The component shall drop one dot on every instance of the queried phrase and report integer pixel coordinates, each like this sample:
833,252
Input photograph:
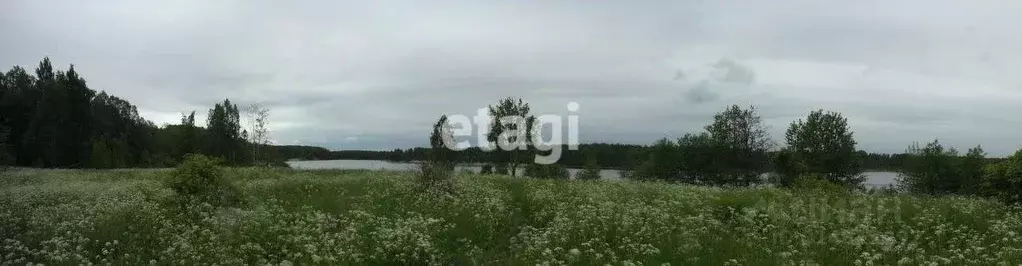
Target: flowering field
376,217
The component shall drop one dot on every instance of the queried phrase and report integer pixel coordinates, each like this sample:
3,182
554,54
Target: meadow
383,217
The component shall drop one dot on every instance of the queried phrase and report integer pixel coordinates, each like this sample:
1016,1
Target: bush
198,178
816,183
436,176
501,169
588,174
1003,180
552,171
936,169
487,169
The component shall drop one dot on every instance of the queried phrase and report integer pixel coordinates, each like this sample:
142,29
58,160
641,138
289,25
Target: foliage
436,176
437,172
501,169
592,168
936,169
258,117
487,169
373,218
821,145
698,158
438,139
662,162
198,178
53,118
225,136
741,141
548,171
1003,180
517,134
732,151
817,183
6,159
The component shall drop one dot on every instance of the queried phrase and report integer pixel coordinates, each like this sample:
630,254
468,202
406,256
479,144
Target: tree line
735,149
611,155
54,119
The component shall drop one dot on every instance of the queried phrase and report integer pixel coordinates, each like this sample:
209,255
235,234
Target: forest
53,119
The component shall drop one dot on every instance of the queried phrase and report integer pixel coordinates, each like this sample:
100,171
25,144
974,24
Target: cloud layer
367,75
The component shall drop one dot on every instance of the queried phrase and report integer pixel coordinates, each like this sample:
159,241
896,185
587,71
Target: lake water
873,179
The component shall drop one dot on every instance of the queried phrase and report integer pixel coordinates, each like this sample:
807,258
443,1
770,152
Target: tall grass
379,217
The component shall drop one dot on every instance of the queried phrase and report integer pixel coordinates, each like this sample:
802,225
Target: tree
591,170
100,157
77,129
741,141
511,126
224,129
971,171
5,156
662,162
822,145
1003,180
935,169
697,158
54,118
441,134
188,141
258,116
435,173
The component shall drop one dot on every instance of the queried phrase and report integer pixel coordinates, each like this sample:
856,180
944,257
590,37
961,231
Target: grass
379,217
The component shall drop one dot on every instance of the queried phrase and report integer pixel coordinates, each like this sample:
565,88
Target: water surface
873,179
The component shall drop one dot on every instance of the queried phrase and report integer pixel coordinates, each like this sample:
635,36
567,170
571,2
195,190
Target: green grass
378,217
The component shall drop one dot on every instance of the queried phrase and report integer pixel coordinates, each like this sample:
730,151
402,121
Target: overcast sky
375,75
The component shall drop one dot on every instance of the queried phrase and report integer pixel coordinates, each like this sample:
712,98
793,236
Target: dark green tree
821,145
592,168
970,168
936,169
440,154
512,126
223,127
662,162
5,155
1003,180
697,159
741,141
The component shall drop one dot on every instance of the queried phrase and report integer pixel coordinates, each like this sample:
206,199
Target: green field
376,217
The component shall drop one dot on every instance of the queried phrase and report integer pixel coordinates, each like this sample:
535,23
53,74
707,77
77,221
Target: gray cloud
375,75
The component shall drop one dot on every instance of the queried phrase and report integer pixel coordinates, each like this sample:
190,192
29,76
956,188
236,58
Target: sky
377,74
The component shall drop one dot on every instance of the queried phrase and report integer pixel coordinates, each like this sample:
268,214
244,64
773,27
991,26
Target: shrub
487,169
198,178
592,168
436,176
816,183
552,171
588,174
501,169
937,169
1004,180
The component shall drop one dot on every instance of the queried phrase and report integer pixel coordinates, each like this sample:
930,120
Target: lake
873,179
